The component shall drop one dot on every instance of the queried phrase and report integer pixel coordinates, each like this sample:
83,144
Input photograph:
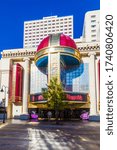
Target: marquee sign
36,98
70,96
76,96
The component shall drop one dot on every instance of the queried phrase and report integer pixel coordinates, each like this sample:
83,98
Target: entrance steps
24,117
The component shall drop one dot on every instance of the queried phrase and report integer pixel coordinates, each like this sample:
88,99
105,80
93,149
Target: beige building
90,53
24,72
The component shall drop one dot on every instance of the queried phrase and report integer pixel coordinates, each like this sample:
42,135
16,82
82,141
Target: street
22,135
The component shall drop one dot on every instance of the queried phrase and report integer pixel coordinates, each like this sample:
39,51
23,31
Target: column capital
91,53
26,58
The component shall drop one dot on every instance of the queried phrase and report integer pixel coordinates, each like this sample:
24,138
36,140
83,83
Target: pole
4,112
4,100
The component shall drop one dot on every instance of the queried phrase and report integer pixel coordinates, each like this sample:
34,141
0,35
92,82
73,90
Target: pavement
46,135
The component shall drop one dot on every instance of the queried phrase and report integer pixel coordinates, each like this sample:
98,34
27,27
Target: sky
13,13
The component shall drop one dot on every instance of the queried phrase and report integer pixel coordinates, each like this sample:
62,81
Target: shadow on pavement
46,135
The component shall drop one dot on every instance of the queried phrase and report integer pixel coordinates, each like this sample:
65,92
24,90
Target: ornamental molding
84,49
17,54
89,48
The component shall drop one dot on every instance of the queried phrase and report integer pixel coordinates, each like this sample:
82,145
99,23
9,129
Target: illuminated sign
76,96
73,96
36,98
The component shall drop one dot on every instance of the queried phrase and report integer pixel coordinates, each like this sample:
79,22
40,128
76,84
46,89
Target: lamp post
3,89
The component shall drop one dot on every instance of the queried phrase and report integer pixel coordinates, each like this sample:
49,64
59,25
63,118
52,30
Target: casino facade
27,71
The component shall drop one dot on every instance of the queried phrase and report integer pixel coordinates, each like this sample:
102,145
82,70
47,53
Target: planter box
2,116
94,118
24,117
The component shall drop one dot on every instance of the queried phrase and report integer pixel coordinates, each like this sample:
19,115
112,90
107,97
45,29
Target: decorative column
54,66
92,80
26,85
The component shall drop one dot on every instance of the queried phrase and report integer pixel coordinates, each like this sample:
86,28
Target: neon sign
76,96
36,98
69,97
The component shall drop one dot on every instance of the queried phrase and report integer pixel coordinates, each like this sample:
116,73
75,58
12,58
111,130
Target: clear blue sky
13,13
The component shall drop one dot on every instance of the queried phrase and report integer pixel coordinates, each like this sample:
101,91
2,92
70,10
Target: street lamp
3,89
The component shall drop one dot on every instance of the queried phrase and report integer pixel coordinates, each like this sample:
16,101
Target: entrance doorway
66,114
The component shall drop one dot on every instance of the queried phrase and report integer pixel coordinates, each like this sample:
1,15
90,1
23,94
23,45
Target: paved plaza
70,135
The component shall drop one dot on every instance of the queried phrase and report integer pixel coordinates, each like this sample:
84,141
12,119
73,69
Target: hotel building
91,28
35,31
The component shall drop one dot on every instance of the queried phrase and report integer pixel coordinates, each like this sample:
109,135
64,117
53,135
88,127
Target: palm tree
55,96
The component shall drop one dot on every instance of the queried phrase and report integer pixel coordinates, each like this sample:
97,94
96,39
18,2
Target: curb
3,125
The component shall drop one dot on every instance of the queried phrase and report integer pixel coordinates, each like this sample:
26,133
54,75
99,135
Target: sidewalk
71,124
46,135
52,121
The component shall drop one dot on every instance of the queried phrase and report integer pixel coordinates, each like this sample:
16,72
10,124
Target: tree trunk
57,116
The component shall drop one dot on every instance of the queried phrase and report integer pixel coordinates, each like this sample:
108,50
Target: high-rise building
91,29
35,31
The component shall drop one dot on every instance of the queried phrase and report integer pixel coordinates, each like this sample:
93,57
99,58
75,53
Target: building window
93,26
93,20
76,78
93,30
93,16
93,35
93,40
